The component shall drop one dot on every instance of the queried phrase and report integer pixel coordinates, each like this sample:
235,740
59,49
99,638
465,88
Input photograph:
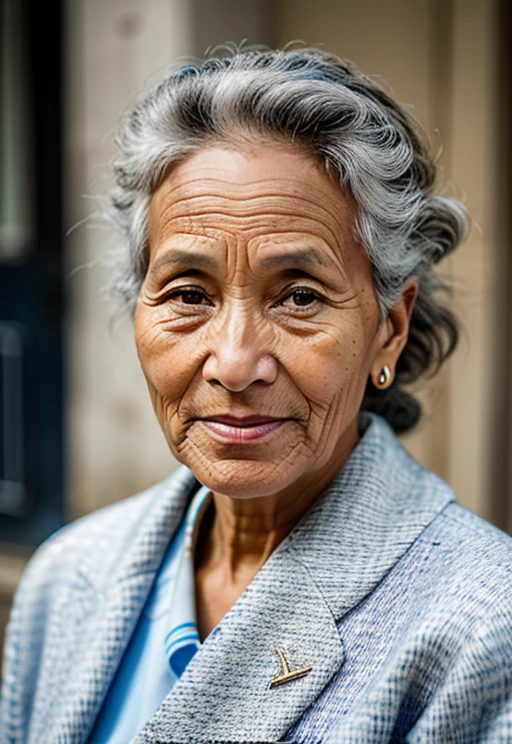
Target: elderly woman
301,578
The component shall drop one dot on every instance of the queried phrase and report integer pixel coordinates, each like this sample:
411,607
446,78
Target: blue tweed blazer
398,598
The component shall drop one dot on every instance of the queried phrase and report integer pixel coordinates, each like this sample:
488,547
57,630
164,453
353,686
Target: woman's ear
393,333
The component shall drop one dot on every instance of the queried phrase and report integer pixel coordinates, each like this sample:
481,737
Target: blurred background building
76,427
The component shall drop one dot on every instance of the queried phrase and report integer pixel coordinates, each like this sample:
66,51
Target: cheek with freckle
168,367
334,378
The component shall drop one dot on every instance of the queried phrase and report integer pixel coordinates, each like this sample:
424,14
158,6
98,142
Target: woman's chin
245,478
245,470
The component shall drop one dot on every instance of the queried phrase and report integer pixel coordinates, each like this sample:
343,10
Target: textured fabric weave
397,597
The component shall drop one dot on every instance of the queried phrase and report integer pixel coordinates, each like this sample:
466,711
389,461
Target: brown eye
189,296
192,298
302,298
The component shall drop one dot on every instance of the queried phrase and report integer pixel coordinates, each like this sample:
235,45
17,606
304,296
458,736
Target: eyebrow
180,258
301,259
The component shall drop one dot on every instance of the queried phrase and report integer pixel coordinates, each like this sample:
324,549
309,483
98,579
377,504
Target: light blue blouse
163,642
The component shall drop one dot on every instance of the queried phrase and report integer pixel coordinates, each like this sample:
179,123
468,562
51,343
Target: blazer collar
365,521
357,530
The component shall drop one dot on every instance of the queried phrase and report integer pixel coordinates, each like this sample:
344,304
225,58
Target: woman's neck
245,532
238,535
235,539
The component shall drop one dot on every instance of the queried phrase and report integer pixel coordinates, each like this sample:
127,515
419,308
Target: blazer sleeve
60,575
24,643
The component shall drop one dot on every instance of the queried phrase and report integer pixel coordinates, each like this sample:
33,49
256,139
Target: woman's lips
239,430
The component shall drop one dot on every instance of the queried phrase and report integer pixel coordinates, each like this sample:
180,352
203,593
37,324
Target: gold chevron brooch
287,673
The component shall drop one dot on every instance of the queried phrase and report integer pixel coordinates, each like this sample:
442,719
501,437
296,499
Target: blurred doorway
31,296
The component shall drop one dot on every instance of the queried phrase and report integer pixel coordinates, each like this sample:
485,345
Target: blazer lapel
375,509
115,607
225,693
353,535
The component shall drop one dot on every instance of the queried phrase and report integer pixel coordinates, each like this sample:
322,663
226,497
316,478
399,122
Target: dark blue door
31,295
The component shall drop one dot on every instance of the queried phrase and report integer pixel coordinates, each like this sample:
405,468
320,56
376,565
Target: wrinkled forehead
260,188
245,177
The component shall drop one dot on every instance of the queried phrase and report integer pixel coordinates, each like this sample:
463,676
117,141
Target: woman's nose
238,356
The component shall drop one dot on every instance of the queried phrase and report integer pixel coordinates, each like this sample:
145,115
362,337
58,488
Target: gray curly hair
325,105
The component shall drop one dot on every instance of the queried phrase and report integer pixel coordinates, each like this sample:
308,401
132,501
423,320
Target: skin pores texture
259,300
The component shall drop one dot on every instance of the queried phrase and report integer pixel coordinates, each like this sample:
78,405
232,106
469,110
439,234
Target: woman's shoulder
455,579
473,542
69,573
471,561
98,534
463,522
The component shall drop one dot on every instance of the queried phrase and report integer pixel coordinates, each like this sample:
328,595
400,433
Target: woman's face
257,323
